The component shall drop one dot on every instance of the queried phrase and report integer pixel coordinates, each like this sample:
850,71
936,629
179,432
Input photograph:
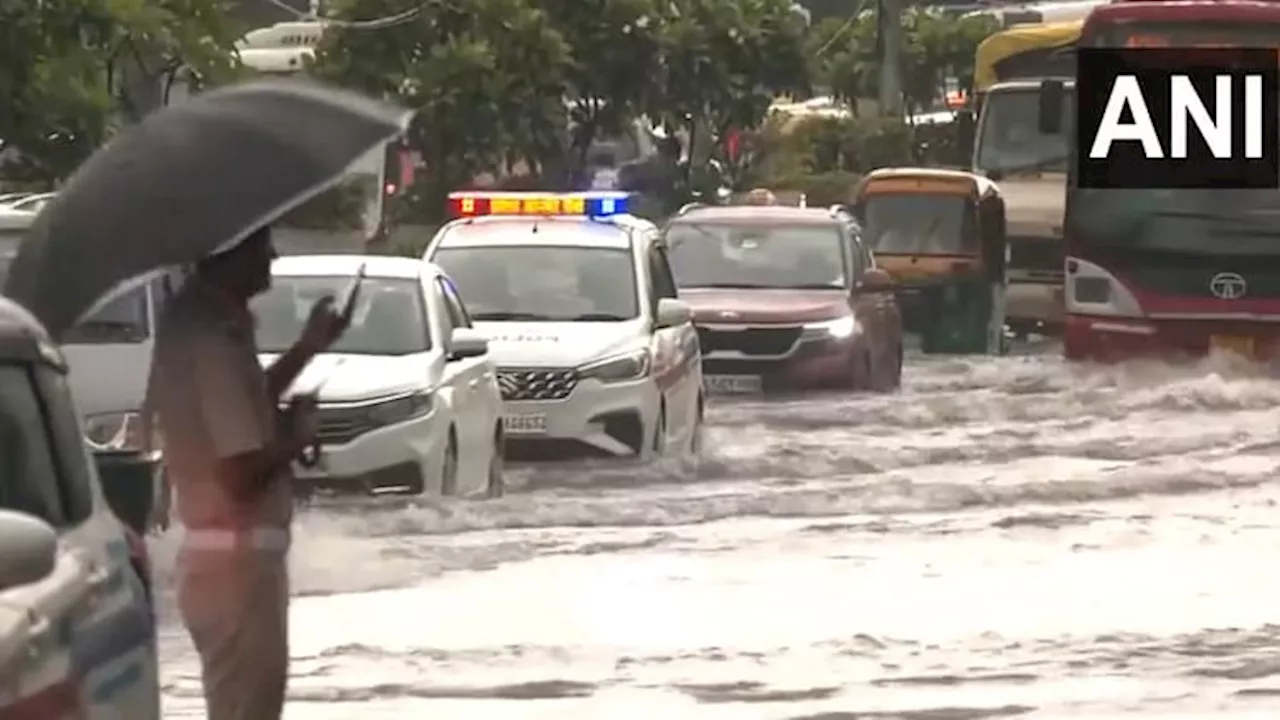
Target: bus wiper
727,286
510,315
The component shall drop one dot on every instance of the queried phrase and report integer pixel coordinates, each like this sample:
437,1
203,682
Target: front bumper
608,420
1107,339
407,454
813,362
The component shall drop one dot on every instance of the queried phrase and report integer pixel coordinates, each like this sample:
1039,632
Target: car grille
338,425
749,341
527,384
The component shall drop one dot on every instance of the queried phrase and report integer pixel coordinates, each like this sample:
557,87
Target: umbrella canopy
186,181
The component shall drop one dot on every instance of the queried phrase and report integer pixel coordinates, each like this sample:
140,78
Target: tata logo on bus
1178,118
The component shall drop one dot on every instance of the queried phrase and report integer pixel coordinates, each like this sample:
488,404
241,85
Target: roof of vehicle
1025,84
554,231
1184,11
982,183
23,338
376,266
759,215
1020,39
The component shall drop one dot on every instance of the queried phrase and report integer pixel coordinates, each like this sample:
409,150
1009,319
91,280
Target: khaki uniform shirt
211,399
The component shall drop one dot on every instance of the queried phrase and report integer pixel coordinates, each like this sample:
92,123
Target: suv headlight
402,409
618,368
839,329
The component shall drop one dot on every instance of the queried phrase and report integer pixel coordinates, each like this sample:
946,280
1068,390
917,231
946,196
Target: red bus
1171,272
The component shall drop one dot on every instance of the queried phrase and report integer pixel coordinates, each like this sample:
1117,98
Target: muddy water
1005,538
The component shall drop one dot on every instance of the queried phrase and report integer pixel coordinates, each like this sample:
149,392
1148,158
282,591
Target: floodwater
1005,538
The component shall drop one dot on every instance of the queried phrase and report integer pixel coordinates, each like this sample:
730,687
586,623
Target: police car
596,355
77,636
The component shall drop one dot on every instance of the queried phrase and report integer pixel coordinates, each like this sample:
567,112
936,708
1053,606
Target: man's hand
325,325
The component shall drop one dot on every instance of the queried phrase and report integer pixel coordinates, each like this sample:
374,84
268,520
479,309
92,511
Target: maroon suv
785,298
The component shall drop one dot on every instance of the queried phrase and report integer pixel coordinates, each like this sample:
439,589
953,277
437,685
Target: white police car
408,396
77,634
596,355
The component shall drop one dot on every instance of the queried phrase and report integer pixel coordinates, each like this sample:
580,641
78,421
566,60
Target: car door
473,378
677,359
93,609
867,307
113,631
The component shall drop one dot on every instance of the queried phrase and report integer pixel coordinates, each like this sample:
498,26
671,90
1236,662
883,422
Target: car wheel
497,486
449,467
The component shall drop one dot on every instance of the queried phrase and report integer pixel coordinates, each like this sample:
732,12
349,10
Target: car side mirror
30,549
876,280
467,343
1053,98
672,313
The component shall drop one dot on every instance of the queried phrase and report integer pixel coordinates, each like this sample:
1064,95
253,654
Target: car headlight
838,329
618,368
402,409
114,431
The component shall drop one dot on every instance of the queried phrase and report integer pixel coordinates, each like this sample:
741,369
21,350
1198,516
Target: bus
1169,272
1030,167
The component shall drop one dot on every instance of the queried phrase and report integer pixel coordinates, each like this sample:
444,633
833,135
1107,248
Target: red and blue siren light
585,204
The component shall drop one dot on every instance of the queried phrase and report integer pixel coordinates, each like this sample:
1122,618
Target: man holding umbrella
228,453
197,183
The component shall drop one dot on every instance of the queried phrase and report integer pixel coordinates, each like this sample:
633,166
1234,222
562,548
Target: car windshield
123,320
28,479
710,255
389,317
918,224
1010,140
544,283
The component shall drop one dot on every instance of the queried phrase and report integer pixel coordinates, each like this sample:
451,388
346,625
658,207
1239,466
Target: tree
71,70
937,46
615,47
485,78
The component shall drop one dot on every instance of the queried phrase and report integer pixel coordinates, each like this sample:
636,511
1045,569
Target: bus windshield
1010,141
918,224
1185,221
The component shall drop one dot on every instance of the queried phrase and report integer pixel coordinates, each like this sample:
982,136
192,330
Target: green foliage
510,87
936,47
68,69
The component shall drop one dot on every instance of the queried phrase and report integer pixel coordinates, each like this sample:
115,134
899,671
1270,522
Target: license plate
733,384
525,424
1235,344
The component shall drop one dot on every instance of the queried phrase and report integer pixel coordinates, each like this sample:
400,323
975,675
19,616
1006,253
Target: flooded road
1005,538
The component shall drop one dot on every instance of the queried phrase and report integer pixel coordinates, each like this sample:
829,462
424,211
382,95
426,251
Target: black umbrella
186,181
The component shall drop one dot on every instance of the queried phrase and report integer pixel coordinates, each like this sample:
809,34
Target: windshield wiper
112,329
1038,166
510,315
597,317
727,286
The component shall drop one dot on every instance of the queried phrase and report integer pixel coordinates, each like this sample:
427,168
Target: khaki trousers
235,604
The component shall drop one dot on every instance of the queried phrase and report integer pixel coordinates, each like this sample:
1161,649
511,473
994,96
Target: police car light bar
586,204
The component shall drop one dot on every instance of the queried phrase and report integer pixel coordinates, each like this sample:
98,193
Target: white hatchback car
77,633
408,396
597,357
